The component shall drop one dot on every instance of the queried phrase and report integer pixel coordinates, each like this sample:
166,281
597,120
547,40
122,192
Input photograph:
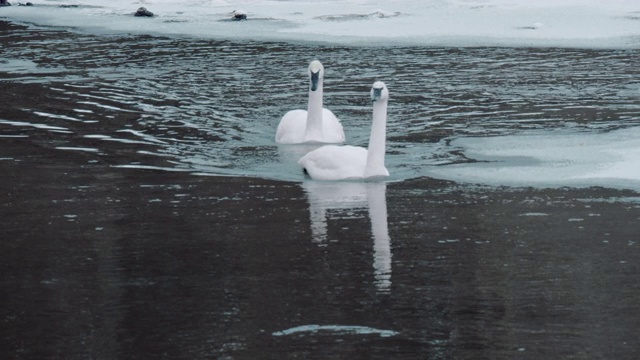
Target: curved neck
377,140
314,115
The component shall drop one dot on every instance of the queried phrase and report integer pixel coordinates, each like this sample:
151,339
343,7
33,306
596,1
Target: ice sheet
570,23
610,159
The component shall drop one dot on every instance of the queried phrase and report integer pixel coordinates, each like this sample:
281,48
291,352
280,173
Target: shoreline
622,43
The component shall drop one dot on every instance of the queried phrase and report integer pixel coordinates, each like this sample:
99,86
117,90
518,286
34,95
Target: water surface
147,211
212,107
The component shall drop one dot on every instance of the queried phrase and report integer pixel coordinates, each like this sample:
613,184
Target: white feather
314,125
332,162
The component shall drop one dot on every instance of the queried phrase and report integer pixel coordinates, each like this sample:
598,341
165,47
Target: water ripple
214,105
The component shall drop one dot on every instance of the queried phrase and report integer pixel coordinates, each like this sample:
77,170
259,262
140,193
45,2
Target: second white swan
332,162
314,125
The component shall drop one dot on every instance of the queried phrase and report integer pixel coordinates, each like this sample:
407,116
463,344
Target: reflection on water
341,199
112,248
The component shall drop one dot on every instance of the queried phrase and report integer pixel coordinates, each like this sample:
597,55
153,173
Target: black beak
376,94
315,79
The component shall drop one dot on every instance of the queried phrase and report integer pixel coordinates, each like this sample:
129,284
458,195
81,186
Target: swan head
316,74
379,91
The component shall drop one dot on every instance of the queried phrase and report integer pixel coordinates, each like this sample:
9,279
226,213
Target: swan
332,162
314,125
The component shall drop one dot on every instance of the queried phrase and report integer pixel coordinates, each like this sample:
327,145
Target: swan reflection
324,196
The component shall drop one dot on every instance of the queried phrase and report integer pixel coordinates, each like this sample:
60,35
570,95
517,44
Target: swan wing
292,127
333,162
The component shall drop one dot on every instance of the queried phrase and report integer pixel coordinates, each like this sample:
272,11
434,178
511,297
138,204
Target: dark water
119,240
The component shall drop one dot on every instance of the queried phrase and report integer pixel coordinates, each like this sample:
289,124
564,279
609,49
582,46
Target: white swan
314,125
332,162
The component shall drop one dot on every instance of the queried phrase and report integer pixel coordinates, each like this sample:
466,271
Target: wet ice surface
545,159
125,241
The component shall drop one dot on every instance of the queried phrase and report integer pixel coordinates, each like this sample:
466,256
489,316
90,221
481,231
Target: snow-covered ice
572,23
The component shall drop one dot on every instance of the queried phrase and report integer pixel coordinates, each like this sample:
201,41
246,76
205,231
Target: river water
147,211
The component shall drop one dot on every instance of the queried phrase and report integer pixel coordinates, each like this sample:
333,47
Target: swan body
332,162
314,125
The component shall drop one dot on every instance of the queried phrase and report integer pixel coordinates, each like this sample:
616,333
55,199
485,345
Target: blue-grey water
147,212
213,107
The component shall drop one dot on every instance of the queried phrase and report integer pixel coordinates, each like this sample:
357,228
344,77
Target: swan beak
376,94
315,79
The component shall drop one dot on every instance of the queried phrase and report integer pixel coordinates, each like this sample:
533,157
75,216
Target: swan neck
377,202
314,115
377,140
